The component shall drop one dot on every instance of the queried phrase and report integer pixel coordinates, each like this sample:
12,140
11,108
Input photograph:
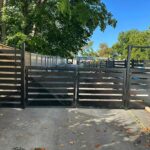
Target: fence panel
50,86
11,69
139,85
99,85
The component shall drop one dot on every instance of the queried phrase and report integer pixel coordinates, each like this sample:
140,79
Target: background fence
32,59
115,64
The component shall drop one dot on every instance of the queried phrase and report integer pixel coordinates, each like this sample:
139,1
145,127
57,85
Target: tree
133,37
104,51
87,50
54,27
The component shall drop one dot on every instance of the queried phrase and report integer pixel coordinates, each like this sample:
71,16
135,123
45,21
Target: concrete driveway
73,129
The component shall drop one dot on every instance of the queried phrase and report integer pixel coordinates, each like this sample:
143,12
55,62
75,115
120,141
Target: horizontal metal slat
51,90
102,69
38,68
10,69
4,51
140,86
10,81
140,81
101,91
51,73
42,79
9,93
140,75
10,57
133,92
139,70
140,98
100,80
101,75
4,87
8,99
99,97
100,86
10,75
50,96
10,63
49,85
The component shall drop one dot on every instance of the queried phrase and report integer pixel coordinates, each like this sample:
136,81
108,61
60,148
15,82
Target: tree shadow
106,131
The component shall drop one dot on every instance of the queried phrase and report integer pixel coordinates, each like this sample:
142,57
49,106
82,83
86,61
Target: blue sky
130,14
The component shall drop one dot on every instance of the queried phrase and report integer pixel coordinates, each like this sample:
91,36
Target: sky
130,14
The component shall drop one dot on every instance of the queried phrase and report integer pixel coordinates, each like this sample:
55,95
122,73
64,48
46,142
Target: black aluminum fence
115,64
38,85
50,86
139,85
11,77
101,86
69,86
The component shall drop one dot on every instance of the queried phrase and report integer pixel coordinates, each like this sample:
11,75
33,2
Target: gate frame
23,88
128,73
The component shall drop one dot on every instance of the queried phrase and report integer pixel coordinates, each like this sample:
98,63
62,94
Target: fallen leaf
61,145
72,142
39,149
129,130
147,145
97,145
146,130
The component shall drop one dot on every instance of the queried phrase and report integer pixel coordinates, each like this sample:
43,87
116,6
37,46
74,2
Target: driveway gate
50,86
72,86
101,86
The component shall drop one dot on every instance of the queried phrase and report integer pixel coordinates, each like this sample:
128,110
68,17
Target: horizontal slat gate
140,84
48,86
10,77
99,85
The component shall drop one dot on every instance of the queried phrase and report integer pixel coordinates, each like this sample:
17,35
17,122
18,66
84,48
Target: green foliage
104,51
54,27
132,37
88,50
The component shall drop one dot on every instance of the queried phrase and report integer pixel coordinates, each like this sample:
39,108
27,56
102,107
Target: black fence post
76,88
128,77
124,88
23,104
113,63
125,63
132,63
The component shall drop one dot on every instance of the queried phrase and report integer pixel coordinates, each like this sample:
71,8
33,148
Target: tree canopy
54,27
88,50
132,37
104,51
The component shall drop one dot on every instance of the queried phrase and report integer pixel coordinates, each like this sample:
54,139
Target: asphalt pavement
73,129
